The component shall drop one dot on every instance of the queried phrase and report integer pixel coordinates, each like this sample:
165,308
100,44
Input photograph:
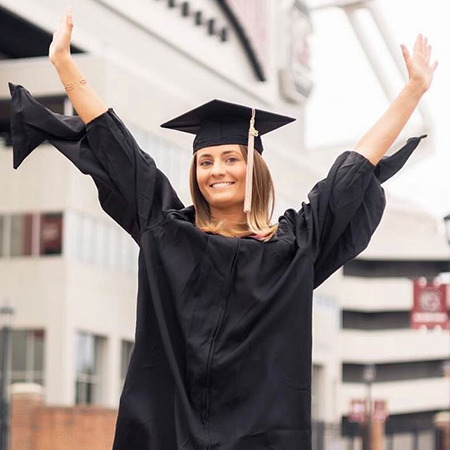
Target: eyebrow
223,153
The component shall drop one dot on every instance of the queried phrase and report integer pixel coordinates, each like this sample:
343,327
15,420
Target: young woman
222,357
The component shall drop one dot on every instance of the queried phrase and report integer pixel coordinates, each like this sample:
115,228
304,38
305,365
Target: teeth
221,184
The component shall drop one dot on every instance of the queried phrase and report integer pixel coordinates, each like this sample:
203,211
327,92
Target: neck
233,217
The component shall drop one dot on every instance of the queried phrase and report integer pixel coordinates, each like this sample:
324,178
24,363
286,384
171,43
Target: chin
225,203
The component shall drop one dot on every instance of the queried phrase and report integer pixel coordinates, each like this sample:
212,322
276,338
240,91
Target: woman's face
221,171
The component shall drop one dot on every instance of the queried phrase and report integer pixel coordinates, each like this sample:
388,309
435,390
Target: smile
222,184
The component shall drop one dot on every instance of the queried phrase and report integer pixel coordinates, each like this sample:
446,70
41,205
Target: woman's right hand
60,45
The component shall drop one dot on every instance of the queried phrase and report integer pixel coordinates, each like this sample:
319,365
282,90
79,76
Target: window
171,159
89,364
87,239
21,234
397,371
27,356
317,399
317,392
51,234
380,320
113,247
126,349
99,241
30,234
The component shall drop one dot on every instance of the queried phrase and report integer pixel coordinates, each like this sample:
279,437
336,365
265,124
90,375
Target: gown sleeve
131,189
345,208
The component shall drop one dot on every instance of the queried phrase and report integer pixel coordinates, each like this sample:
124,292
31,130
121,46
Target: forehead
217,150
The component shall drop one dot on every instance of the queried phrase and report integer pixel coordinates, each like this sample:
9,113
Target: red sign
430,305
357,411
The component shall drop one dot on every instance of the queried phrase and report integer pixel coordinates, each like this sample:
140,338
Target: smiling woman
217,184
223,351
228,148
223,348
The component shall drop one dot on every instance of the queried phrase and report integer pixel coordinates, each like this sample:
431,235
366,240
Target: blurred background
68,273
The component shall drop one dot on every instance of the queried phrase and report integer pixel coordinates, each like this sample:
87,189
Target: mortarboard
218,122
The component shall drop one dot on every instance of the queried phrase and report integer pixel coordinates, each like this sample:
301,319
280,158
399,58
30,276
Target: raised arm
377,141
84,99
132,190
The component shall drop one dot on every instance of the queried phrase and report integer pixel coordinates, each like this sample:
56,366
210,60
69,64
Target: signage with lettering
430,305
357,411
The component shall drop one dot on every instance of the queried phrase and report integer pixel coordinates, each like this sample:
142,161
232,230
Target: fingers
428,54
406,55
418,44
69,18
422,48
421,45
66,19
433,67
63,34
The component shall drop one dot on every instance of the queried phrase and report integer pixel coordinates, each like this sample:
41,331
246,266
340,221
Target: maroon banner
357,411
430,305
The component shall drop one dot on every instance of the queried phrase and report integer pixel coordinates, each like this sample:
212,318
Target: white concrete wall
377,294
388,346
402,397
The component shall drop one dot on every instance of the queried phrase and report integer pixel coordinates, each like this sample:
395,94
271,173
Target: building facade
70,272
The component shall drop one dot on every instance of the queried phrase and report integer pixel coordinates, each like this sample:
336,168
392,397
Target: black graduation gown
222,357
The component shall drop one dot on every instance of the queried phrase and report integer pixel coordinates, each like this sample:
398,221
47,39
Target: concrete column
111,374
60,361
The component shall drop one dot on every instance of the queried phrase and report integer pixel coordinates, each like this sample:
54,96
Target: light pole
6,314
369,376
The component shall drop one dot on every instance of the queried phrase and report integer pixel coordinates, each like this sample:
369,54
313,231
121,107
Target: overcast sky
343,76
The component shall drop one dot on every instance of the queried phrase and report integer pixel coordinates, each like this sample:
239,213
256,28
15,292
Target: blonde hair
263,201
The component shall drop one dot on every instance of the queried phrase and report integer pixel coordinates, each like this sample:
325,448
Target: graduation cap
218,122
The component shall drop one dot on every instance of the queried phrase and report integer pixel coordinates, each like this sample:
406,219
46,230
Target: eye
203,163
232,157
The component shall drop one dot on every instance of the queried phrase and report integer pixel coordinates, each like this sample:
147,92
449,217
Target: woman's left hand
419,69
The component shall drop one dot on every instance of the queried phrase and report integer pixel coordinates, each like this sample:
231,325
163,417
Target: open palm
60,45
419,69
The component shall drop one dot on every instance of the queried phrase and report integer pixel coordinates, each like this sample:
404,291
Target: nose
218,168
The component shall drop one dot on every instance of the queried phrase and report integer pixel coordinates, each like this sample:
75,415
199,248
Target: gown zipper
210,352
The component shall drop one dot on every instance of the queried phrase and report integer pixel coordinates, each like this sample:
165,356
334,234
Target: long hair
263,202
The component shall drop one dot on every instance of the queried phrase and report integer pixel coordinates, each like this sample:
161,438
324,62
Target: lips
221,184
